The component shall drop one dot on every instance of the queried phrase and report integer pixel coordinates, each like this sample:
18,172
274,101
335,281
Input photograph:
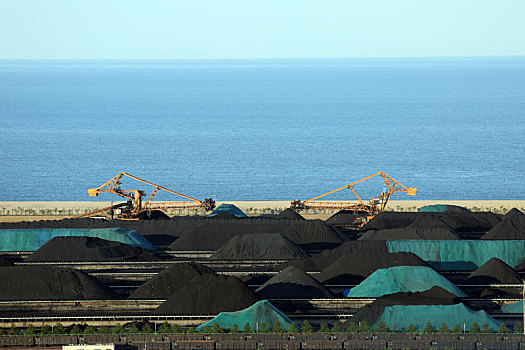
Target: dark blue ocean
264,129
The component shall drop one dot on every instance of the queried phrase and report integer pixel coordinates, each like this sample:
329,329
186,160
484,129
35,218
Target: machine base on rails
136,207
364,211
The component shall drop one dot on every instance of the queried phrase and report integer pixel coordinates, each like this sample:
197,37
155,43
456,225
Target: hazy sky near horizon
160,29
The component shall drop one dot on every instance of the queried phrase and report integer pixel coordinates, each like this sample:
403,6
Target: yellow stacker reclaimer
136,205
364,211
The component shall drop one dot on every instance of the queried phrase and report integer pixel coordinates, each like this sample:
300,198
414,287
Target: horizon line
257,58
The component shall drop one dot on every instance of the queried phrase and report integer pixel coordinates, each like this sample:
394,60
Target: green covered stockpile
261,312
399,317
442,208
401,279
228,209
461,254
28,240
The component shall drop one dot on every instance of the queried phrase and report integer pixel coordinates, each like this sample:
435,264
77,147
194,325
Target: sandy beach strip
16,211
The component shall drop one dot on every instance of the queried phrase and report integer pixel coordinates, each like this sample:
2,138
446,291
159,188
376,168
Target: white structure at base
89,347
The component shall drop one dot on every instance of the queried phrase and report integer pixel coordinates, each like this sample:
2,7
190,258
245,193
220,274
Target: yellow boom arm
374,205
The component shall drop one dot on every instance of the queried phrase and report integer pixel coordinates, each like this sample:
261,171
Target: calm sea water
268,129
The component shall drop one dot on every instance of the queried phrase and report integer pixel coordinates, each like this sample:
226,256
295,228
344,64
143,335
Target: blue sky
160,29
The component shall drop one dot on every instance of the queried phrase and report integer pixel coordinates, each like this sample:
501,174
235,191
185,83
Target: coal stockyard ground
449,268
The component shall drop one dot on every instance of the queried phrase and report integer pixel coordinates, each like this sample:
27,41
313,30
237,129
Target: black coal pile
423,227
510,228
494,271
153,215
344,217
468,222
309,234
64,223
292,283
520,267
5,262
511,213
259,246
145,227
169,280
165,232
50,283
173,227
290,214
324,259
458,222
208,294
88,249
390,220
354,268
433,296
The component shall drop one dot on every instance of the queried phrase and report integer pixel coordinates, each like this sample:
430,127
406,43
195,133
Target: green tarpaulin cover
401,279
461,254
29,240
441,208
260,312
399,317
228,208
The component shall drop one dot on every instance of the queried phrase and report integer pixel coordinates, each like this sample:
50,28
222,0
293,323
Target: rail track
113,319
169,254
183,320
161,264
158,265
148,305
231,266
